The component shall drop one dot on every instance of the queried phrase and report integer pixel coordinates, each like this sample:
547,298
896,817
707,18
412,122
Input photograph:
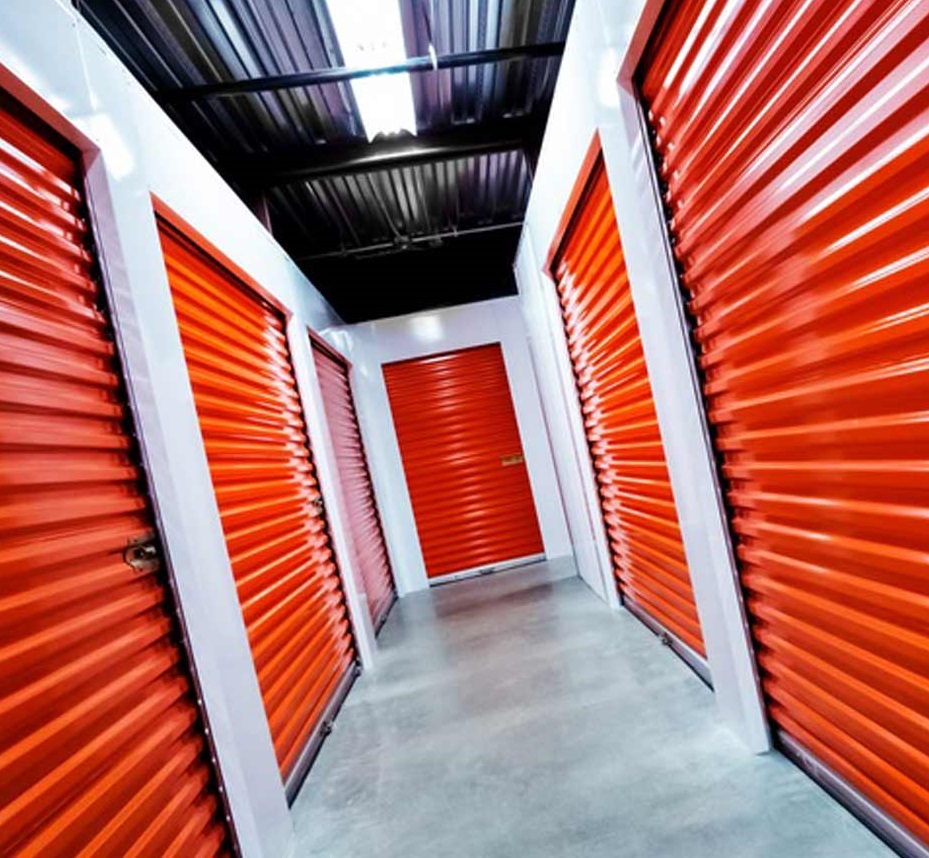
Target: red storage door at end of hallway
463,460
619,413
269,498
102,745
792,142
367,536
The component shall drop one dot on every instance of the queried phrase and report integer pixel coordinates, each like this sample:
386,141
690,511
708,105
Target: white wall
371,344
565,424
605,39
585,101
52,60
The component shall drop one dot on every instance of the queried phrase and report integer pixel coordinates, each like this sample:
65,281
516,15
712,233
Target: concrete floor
515,715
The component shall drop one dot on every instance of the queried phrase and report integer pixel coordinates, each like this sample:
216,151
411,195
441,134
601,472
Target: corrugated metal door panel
793,141
463,459
367,535
269,498
619,415
102,746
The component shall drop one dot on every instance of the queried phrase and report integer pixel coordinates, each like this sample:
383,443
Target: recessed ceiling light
370,33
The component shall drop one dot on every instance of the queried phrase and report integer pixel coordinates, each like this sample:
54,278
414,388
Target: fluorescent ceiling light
370,34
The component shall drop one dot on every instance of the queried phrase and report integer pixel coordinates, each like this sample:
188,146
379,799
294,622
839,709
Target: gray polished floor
515,715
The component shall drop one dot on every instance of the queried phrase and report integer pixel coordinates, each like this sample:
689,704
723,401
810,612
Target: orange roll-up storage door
463,459
793,143
619,416
102,746
269,498
364,521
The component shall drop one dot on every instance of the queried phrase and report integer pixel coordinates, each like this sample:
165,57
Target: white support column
175,459
679,403
585,520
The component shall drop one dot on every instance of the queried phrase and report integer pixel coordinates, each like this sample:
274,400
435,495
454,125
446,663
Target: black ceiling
430,274
382,228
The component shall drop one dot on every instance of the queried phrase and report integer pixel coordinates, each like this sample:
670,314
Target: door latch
141,553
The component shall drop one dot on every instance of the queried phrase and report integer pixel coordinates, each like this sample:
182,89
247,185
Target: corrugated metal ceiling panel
484,91
172,44
384,206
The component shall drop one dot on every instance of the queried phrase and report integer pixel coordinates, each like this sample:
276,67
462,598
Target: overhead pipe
407,243
318,77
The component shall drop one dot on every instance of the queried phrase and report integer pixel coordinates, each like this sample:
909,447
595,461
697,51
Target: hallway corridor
514,715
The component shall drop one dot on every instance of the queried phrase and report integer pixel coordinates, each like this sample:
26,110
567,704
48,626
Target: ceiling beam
321,160
317,77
